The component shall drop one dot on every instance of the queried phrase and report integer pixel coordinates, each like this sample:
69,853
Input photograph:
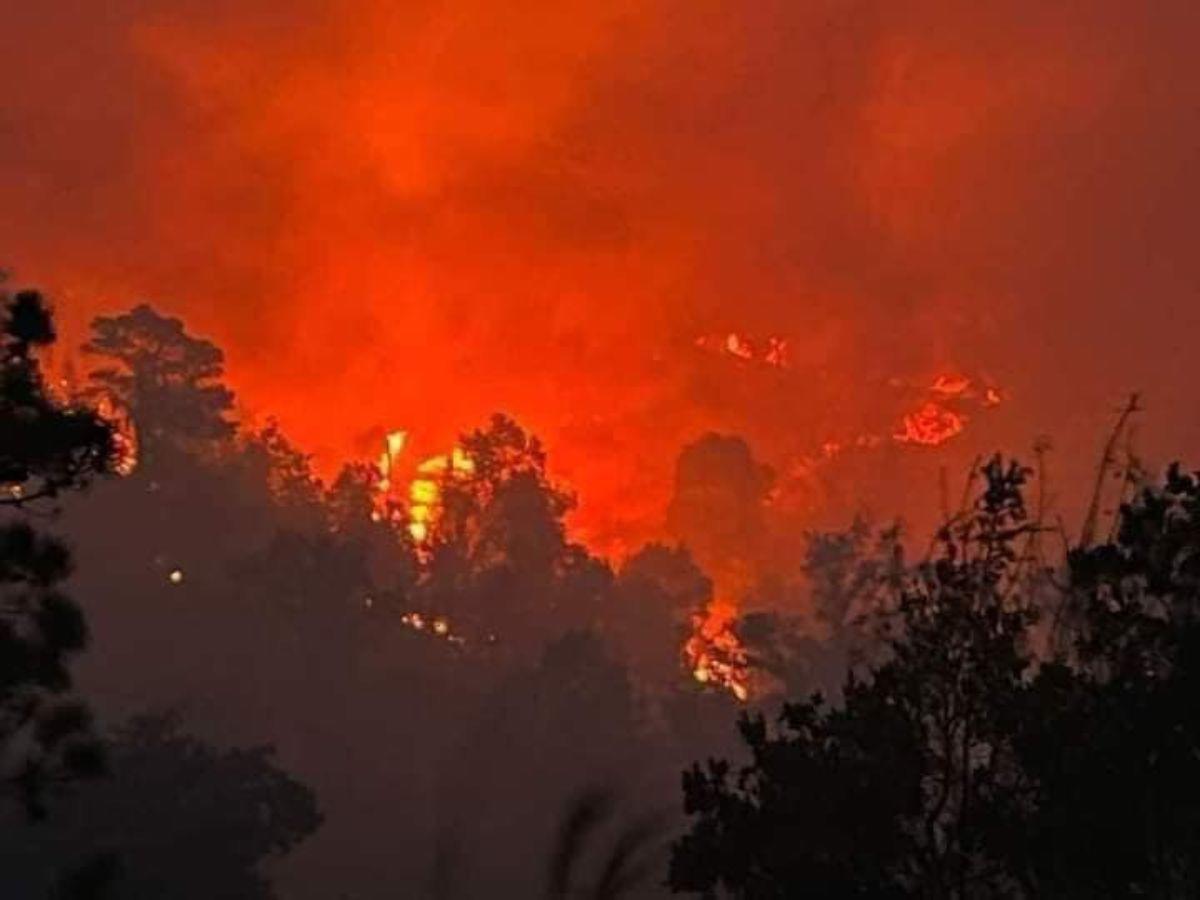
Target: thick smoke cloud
408,215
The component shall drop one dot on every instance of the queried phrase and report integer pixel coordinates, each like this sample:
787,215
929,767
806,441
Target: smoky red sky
408,215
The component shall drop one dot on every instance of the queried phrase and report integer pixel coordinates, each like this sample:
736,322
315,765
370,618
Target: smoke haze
408,215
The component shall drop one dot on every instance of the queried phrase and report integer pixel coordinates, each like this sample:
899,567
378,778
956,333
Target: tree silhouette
1111,734
717,507
47,446
501,561
910,788
46,449
176,818
656,592
626,864
847,576
167,380
961,766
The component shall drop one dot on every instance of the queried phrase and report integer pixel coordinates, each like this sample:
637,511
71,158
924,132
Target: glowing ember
776,353
176,576
770,351
950,385
940,417
737,345
931,425
438,626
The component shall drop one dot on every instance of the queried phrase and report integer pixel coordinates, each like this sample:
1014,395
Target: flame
930,425
385,467
737,345
769,351
125,439
425,491
950,385
423,496
714,654
937,420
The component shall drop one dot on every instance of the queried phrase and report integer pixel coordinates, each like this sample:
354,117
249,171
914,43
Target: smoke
408,216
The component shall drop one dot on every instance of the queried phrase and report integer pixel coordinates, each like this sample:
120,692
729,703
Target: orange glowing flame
950,385
770,351
714,654
940,417
125,439
930,425
737,345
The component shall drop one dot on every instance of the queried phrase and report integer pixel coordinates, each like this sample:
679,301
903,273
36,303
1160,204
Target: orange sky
409,215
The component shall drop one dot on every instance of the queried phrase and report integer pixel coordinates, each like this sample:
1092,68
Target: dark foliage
176,818
166,379
963,767
46,447
905,789
1113,737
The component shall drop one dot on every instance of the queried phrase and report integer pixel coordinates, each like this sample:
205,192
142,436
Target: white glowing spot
368,602
176,576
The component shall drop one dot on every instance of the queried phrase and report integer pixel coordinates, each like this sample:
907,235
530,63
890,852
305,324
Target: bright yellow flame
423,491
395,443
714,653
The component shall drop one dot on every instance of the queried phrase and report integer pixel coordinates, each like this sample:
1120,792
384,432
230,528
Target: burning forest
598,450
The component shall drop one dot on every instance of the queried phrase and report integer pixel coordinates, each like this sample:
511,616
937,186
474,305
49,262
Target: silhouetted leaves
176,818
167,380
45,447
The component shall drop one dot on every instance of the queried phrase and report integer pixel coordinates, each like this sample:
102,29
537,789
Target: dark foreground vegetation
283,694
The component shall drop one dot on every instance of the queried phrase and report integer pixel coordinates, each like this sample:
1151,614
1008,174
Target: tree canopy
965,764
48,447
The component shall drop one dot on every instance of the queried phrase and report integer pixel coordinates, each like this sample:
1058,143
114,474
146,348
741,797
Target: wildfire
940,417
423,500
930,425
714,654
393,446
125,439
424,492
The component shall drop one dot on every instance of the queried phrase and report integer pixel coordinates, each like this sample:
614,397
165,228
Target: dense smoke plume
409,215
